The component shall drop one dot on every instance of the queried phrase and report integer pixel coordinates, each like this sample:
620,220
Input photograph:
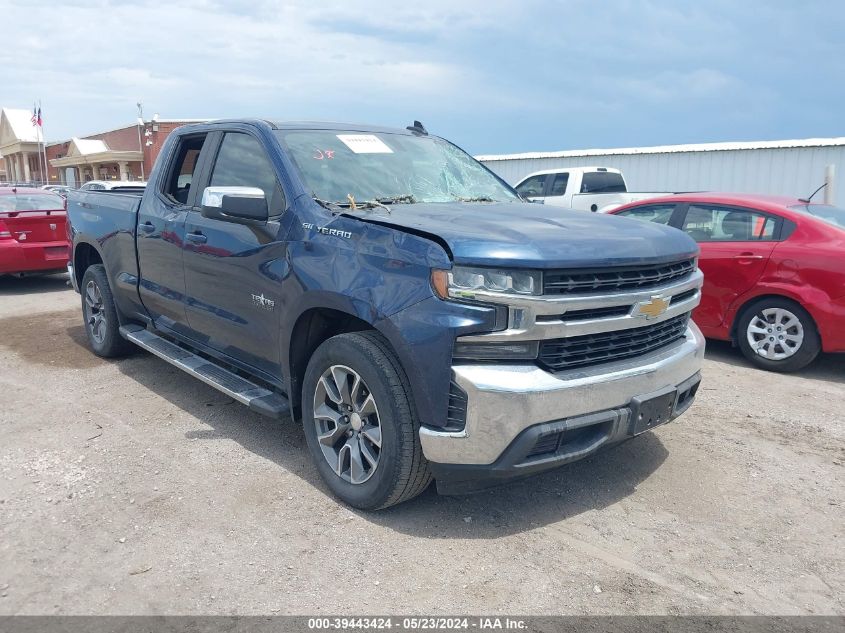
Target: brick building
113,155
125,153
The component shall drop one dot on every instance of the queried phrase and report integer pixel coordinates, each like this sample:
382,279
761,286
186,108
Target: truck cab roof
298,125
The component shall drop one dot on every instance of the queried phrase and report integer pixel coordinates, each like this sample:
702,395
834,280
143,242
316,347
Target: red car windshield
31,202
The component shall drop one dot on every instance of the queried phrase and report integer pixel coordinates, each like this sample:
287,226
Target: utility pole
829,180
140,142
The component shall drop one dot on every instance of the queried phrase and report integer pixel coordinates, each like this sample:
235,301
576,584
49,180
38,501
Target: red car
774,271
32,231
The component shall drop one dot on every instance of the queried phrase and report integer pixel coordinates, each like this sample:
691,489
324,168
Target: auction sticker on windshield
365,143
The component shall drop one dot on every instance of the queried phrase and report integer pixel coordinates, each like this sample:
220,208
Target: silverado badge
652,308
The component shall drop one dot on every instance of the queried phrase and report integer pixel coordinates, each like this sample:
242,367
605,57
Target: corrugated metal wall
793,171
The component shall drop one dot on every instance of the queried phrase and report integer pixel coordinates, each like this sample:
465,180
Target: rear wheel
100,314
360,424
778,334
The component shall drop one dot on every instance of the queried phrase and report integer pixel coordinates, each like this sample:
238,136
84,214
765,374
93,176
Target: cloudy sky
491,75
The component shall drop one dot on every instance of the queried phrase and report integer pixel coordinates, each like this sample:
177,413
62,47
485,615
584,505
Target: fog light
522,350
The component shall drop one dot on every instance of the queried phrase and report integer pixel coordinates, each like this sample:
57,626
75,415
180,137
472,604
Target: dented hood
537,236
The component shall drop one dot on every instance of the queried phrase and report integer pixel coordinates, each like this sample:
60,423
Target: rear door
233,272
736,244
557,186
161,231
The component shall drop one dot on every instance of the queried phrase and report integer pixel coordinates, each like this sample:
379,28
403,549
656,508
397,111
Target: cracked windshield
342,167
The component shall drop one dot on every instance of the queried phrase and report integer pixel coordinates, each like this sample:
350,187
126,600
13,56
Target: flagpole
46,172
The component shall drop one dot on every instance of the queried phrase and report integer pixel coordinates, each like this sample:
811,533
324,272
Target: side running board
257,398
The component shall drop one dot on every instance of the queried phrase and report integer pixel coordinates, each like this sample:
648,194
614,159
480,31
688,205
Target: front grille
689,294
592,349
588,314
566,282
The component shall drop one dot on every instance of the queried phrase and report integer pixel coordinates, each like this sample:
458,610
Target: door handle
748,256
147,227
196,238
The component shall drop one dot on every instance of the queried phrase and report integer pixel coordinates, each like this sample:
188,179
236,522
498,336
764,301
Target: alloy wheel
94,313
347,423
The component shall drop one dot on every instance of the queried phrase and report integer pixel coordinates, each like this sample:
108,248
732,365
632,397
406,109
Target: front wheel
778,335
360,423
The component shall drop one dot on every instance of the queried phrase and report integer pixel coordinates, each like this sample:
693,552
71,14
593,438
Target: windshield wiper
372,204
405,198
325,203
335,206
475,199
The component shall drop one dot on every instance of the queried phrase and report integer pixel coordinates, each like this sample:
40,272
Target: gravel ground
130,488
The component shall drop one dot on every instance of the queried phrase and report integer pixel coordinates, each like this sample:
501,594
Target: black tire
104,339
402,471
802,354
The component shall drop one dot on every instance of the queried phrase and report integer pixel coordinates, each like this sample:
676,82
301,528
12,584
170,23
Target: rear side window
602,182
559,184
31,202
534,187
727,224
182,170
659,213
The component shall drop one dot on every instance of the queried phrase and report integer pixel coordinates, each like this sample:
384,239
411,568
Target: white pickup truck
597,189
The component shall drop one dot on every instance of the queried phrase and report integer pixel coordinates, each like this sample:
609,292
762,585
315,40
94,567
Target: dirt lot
128,487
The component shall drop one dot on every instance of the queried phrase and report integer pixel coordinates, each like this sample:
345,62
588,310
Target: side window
659,213
181,175
242,162
559,184
721,224
534,187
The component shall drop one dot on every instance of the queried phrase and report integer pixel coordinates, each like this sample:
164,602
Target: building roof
86,151
86,146
21,123
670,149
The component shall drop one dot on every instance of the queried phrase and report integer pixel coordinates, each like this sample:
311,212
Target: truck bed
109,219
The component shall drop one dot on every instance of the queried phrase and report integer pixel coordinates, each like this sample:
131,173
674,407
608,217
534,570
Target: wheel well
311,329
84,257
741,311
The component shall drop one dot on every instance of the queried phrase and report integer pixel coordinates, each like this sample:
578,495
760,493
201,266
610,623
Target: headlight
466,280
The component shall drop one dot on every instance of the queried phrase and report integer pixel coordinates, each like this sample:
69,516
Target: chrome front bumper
504,400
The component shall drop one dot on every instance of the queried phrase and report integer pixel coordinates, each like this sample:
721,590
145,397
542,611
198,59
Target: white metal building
794,168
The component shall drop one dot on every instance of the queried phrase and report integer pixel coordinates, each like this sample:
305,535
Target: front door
233,272
736,244
161,229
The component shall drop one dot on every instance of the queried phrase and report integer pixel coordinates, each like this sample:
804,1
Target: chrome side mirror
242,205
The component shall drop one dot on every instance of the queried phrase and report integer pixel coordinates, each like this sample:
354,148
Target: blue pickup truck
420,318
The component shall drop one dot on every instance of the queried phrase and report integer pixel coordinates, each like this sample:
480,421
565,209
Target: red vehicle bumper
17,257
